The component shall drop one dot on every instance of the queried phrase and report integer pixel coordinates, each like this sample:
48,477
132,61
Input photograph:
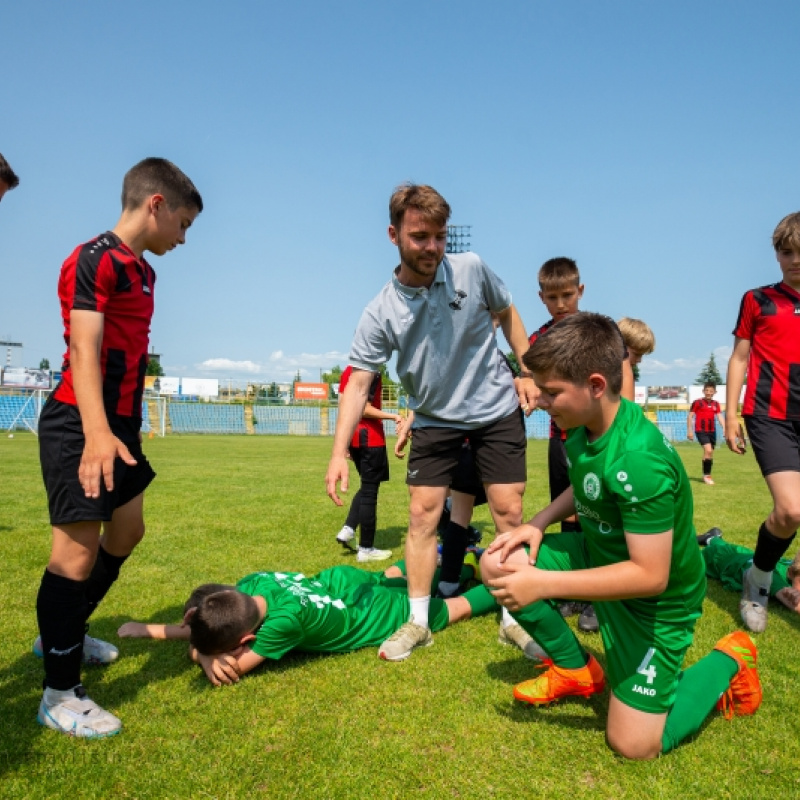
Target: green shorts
644,654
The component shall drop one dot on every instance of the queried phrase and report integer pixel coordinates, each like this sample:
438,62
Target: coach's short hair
787,235
7,175
577,347
558,273
159,176
637,335
424,199
221,620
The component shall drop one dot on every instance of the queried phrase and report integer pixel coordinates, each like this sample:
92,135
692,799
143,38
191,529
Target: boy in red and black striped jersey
368,451
767,349
89,433
702,422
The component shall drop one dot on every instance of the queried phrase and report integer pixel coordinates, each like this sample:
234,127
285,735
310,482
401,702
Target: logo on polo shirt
591,486
458,301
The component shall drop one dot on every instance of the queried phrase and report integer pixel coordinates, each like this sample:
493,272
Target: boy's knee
633,745
787,515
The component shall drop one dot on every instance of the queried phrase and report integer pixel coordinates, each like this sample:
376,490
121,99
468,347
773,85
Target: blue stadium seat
206,418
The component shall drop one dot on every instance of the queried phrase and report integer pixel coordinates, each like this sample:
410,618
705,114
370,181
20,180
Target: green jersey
631,479
339,610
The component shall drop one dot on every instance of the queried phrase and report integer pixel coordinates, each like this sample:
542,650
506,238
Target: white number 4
645,668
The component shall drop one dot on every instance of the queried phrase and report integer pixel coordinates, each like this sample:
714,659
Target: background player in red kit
767,349
368,451
702,422
92,462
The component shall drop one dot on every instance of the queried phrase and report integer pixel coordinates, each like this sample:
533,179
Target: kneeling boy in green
636,558
233,629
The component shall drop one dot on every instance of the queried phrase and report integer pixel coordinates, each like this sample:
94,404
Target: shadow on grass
113,686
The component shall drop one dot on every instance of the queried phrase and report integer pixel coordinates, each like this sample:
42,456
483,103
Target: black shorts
371,463
776,443
557,466
61,444
498,450
703,437
467,479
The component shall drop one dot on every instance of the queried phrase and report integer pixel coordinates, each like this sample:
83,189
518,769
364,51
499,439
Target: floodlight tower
8,346
458,238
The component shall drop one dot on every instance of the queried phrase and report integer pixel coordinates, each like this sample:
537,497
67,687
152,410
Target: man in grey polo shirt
436,313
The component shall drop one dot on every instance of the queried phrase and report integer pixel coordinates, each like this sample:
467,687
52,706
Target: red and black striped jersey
369,432
104,275
705,412
769,317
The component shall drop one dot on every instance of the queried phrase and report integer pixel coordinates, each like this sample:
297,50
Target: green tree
512,359
154,367
272,390
635,373
709,374
44,364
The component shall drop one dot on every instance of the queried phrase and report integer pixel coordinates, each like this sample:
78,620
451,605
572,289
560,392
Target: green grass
441,725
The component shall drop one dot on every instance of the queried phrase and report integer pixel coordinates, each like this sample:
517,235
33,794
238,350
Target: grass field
441,725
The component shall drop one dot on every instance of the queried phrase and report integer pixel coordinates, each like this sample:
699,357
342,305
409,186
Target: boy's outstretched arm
151,630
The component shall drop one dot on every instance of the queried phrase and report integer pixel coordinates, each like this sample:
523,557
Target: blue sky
655,143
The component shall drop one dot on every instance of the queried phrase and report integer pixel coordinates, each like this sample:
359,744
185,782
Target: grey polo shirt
448,360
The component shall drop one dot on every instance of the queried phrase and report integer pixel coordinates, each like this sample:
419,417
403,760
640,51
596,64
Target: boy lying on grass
728,562
233,629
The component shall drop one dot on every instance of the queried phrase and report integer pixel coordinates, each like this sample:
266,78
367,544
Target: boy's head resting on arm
577,347
221,618
560,287
638,337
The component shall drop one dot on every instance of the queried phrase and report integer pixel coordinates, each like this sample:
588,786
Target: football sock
455,539
480,600
763,580
707,463
506,619
104,572
367,516
769,549
543,621
419,609
699,688
354,514
62,610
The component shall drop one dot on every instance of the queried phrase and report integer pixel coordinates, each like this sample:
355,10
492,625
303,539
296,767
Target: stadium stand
19,412
672,424
206,418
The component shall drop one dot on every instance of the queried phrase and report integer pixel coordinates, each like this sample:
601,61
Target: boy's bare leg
784,519
458,609
632,733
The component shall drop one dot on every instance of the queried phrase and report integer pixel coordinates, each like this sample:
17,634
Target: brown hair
637,335
558,273
787,235
577,347
7,175
159,176
424,199
221,619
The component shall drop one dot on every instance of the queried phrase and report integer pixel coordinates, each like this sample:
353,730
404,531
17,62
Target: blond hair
637,335
787,235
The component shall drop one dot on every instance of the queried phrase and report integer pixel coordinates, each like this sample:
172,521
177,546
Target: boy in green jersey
233,629
636,558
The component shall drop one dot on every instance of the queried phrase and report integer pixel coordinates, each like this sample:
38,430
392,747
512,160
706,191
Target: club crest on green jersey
591,486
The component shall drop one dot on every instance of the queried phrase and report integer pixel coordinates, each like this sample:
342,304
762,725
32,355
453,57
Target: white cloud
278,367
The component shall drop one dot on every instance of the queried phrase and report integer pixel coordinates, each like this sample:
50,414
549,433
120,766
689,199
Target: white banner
203,387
